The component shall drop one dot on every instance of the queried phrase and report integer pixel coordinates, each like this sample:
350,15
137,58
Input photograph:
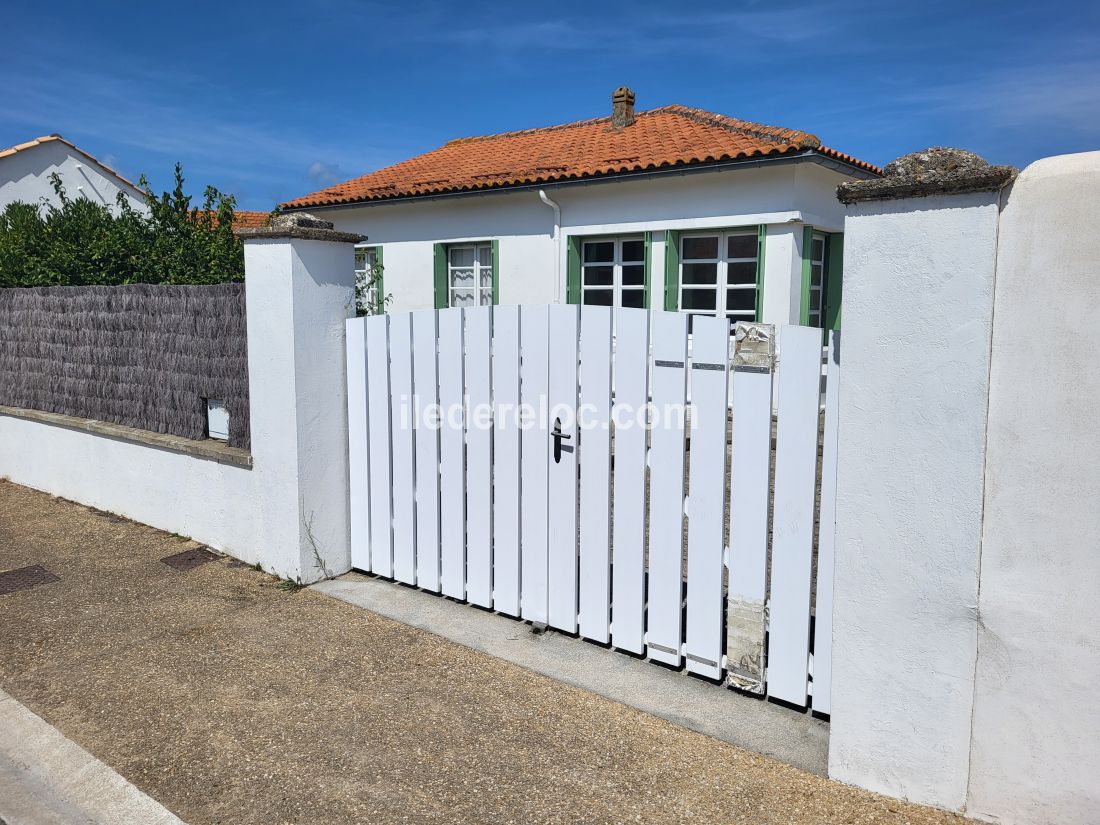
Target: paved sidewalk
231,700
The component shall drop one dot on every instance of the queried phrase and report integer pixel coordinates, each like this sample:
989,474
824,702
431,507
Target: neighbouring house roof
665,138
243,219
30,144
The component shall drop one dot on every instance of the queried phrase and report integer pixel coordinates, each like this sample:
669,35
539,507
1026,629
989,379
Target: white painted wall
290,510
1036,732
785,195
918,304
25,176
210,502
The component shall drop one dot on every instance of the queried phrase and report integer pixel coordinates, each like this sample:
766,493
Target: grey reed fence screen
141,355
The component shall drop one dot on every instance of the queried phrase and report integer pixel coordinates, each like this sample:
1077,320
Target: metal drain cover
189,559
25,578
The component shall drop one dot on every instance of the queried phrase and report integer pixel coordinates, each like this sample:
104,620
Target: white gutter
557,242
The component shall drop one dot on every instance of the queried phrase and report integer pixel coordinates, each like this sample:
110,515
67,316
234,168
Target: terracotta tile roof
30,144
672,136
243,219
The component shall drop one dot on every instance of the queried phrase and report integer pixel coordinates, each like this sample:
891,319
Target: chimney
622,108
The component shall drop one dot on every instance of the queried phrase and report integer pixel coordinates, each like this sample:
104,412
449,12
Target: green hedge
81,243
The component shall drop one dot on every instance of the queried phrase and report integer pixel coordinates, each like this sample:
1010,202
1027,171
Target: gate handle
558,436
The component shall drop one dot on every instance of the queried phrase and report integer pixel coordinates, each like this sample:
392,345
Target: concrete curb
789,736
47,779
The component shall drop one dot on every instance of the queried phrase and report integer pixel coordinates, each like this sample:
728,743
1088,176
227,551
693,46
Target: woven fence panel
141,355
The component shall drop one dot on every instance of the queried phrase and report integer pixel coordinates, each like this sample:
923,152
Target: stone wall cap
937,170
301,225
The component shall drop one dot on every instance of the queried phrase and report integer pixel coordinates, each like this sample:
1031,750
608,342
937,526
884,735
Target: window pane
462,278
699,274
486,297
461,255
463,298
633,251
486,278
634,298
818,249
698,299
816,271
599,275
700,247
599,251
741,273
633,275
741,246
360,259
741,299
599,297
815,300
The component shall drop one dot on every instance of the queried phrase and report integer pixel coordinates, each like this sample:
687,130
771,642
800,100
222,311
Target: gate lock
558,436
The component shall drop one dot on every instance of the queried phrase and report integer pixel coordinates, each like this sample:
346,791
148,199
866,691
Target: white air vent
217,419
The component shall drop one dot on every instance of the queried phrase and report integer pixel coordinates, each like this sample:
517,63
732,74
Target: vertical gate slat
452,456
793,524
628,545
666,489
479,457
707,496
534,444
358,448
506,460
750,483
595,473
378,417
403,453
823,621
562,526
426,391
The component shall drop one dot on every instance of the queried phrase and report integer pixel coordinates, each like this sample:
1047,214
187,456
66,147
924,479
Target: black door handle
558,437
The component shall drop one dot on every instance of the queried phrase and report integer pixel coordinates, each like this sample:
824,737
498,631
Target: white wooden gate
471,476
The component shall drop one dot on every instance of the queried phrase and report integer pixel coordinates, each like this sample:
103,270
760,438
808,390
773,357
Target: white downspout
557,243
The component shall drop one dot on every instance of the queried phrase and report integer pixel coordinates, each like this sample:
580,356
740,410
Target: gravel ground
232,700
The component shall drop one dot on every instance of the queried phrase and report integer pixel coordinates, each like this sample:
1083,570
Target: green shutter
761,243
807,254
834,279
496,272
573,270
648,264
440,253
672,270
380,291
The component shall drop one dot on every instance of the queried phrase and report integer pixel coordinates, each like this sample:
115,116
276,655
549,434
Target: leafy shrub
82,243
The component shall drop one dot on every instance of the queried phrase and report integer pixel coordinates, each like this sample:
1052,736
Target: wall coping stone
300,225
210,449
937,170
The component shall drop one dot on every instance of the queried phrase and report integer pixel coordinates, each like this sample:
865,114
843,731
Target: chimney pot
622,107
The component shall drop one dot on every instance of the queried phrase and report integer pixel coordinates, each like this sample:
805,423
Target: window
613,272
718,274
366,286
815,289
470,275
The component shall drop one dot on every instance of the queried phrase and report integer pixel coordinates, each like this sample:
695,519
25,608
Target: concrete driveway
231,699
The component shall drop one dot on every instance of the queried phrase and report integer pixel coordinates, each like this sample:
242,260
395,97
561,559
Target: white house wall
25,176
532,267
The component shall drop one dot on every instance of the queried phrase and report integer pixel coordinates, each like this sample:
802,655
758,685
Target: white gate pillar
299,289
920,254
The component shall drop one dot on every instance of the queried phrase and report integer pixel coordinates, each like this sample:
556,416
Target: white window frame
816,317
484,293
617,263
367,255
721,284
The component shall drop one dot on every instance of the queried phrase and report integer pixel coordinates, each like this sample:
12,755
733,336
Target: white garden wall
1036,751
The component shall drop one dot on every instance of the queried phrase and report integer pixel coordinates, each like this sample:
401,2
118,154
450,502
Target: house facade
671,208
26,169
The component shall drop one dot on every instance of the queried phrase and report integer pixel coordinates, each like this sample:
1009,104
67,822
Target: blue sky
270,100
